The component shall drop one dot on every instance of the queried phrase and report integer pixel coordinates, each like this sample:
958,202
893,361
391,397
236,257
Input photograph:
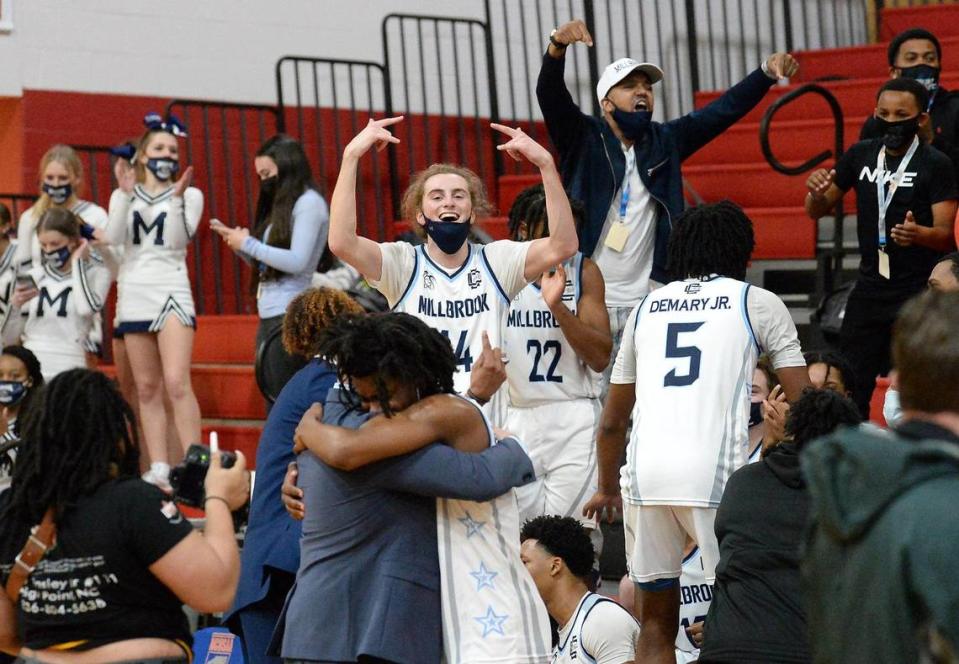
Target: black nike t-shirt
95,585
926,181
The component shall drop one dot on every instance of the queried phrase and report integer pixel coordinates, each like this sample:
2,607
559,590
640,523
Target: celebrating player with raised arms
154,218
460,288
557,339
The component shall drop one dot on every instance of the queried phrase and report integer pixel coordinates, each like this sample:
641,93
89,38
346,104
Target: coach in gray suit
368,585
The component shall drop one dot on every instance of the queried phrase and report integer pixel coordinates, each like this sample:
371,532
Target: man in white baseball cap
625,168
632,196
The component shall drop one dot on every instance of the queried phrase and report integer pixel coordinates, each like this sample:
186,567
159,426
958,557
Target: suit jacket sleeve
696,129
441,471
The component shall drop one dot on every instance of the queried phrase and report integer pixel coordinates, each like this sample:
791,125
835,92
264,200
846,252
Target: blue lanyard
624,196
885,197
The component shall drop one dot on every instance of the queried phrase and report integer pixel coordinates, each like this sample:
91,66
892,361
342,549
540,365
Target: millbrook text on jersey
452,308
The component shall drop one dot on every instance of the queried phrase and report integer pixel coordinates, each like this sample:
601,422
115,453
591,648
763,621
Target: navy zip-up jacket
592,163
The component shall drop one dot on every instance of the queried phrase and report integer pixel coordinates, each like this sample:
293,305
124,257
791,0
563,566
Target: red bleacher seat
878,398
940,19
869,61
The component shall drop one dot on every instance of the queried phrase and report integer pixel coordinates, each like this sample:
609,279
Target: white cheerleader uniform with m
28,253
599,632
56,324
553,403
690,349
461,303
492,611
154,282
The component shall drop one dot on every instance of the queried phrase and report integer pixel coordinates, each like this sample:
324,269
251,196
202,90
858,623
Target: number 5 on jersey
674,350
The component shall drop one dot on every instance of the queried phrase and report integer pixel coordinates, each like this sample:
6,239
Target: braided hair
711,239
529,207
389,347
78,434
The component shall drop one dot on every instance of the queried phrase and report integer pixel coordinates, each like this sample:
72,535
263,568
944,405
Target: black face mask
635,124
755,413
925,74
268,185
897,135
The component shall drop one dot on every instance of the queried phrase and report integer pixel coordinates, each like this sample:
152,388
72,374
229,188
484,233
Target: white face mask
891,408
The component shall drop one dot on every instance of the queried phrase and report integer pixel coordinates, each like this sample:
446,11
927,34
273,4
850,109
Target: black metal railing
223,139
17,204
324,102
829,262
98,172
439,74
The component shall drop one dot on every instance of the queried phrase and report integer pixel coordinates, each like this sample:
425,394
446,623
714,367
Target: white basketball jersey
570,648
695,353
158,230
492,611
543,367
695,594
461,305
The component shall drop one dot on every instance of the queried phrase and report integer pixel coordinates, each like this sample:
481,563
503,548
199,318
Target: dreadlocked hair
78,434
711,239
519,210
308,313
529,207
389,347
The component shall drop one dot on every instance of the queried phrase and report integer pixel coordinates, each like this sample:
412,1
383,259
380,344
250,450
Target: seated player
559,556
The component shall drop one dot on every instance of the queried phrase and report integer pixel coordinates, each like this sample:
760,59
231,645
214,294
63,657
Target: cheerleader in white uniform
61,181
154,220
57,300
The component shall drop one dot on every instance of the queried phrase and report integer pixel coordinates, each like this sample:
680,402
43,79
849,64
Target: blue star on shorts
491,622
472,527
484,577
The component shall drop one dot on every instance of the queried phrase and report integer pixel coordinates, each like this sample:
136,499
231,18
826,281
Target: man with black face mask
625,168
916,54
905,206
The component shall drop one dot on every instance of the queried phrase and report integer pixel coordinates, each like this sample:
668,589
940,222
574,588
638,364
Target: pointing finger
486,344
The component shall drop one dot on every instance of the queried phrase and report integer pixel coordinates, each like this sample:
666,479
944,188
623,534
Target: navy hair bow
169,124
126,151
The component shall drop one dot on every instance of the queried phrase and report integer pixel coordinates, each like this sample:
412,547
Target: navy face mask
635,124
11,392
163,169
58,195
897,135
928,76
449,236
755,413
58,259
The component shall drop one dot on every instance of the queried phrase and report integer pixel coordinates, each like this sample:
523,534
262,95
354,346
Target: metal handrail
829,268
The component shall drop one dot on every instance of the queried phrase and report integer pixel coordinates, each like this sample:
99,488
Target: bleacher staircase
224,382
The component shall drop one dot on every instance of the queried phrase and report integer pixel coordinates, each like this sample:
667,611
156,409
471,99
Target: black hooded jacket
756,614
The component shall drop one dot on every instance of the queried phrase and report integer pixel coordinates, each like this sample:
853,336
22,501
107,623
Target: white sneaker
157,480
